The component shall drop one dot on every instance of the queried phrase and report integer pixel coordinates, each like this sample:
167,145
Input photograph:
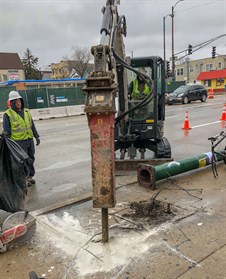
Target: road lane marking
206,124
192,107
173,116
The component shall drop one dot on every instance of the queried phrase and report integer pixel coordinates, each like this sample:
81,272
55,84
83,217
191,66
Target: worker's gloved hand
37,141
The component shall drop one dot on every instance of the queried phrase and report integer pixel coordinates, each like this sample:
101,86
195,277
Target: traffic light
213,52
167,68
189,49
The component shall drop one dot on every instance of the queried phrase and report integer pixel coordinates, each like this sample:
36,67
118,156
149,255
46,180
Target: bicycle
215,141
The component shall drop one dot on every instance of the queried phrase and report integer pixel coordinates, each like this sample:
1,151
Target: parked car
187,93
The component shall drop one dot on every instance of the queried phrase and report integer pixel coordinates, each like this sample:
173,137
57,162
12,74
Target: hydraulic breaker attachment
100,109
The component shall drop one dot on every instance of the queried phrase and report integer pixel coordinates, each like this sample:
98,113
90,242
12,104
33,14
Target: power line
208,3
201,45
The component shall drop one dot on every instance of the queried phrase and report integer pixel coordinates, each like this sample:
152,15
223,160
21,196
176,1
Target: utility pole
164,38
187,64
173,58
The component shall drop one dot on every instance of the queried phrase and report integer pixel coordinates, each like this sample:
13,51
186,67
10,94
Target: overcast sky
51,28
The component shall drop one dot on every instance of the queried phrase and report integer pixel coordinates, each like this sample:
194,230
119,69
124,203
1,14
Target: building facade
189,70
62,69
46,74
215,80
11,67
67,69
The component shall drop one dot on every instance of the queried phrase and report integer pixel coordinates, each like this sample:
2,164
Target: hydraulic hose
144,77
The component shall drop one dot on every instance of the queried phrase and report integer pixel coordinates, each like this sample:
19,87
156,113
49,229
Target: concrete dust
75,231
65,231
91,256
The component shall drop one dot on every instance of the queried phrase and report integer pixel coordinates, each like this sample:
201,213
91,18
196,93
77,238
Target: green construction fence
173,85
45,97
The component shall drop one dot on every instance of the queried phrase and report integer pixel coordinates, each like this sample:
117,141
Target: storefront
215,80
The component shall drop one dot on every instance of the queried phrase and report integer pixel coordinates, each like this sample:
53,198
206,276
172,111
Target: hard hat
13,95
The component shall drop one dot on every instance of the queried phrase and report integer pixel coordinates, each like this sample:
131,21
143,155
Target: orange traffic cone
223,116
210,93
186,122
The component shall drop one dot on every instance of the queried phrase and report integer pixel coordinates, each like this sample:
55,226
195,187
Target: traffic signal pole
148,175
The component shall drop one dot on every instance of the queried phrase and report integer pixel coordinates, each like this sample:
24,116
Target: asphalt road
204,121
63,169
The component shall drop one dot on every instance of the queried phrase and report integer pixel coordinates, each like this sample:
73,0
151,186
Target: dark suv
187,93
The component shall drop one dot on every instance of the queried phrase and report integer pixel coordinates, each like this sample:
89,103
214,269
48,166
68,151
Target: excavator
126,126
139,123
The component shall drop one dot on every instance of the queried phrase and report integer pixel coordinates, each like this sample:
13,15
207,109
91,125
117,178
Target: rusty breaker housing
100,109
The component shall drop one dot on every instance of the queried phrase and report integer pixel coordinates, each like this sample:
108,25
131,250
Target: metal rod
104,212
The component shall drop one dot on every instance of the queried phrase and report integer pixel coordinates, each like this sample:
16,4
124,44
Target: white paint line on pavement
192,107
173,116
206,124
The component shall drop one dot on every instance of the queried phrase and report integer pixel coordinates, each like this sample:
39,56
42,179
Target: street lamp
173,58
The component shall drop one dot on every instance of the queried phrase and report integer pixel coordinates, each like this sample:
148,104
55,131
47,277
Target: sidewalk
188,243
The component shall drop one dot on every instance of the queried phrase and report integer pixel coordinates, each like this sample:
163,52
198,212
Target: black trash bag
14,169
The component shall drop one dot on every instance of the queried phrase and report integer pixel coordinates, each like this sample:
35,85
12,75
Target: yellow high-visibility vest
136,94
20,128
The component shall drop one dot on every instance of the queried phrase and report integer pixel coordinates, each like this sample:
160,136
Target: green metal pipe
148,175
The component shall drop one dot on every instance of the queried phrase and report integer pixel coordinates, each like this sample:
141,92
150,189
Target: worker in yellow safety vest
138,89
19,126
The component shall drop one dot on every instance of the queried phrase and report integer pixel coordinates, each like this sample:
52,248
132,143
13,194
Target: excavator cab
139,125
147,112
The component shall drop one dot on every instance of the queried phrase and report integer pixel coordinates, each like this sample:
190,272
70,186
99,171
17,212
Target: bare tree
82,57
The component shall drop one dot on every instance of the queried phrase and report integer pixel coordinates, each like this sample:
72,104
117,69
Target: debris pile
152,212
